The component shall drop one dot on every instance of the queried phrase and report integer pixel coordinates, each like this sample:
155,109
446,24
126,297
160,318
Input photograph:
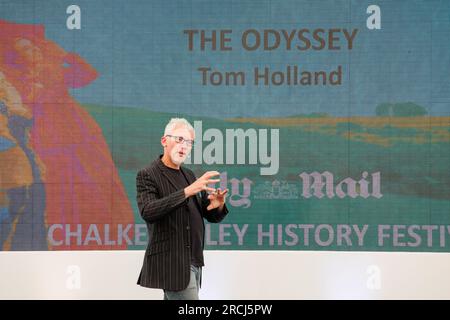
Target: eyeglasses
182,140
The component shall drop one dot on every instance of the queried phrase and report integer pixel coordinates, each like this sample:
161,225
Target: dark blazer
163,206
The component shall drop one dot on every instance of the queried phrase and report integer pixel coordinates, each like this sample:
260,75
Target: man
173,203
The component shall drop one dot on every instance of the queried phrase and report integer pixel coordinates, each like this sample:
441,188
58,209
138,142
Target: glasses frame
189,143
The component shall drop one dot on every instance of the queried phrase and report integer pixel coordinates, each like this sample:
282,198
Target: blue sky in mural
141,53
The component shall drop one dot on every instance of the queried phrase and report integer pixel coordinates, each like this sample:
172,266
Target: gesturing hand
217,199
201,184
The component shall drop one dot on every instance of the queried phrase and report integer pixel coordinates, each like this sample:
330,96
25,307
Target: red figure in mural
75,180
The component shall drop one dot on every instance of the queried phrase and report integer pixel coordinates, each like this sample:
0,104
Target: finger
212,181
210,174
214,194
211,190
221,193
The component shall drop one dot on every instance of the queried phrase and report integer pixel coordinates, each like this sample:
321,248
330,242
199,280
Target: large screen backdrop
328,120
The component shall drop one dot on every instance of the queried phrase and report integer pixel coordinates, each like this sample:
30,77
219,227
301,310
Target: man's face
178,152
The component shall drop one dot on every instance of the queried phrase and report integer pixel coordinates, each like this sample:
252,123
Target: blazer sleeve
214,215
151,206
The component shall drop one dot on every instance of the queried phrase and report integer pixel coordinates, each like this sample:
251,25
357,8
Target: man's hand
201,184
217,199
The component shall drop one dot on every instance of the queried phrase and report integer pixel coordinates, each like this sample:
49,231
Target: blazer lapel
169,178
191,179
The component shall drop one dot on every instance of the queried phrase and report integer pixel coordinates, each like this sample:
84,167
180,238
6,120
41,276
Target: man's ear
163,141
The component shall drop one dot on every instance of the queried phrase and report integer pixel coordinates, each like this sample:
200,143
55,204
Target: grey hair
177,122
